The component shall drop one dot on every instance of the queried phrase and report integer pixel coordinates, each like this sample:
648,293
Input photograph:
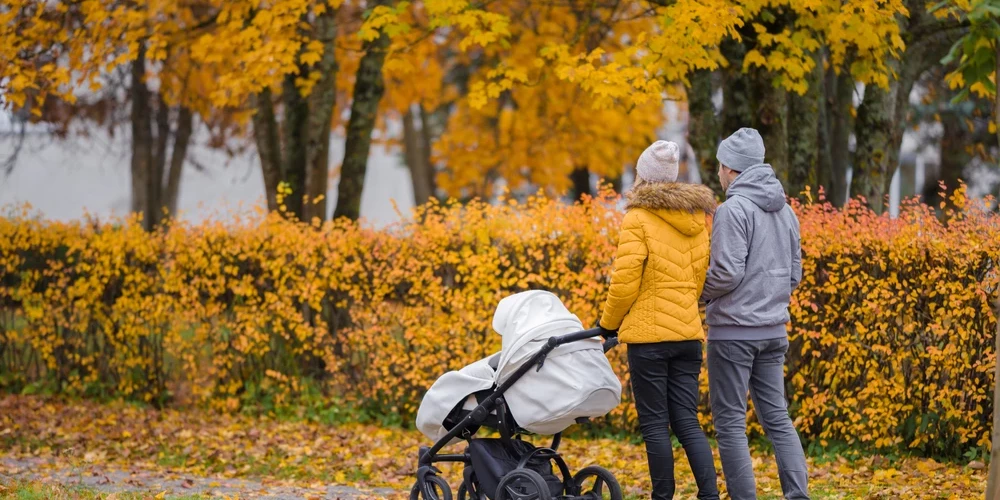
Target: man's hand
606,334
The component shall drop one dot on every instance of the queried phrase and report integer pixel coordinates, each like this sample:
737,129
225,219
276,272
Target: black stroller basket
509,468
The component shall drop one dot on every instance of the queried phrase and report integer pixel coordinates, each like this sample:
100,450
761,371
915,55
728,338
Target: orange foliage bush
892,332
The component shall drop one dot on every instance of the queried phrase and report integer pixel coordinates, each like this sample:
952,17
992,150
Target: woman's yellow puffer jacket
660,268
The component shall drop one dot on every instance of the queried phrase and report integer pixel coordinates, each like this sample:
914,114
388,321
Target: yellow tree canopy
581,84
547,86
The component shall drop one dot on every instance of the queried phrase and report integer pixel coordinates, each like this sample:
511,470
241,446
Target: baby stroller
549,375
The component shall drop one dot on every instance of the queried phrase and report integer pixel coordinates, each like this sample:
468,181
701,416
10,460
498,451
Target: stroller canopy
575,380
450,390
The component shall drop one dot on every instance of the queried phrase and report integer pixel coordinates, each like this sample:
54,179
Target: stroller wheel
436,489
523,484
591,481
470,489
465,494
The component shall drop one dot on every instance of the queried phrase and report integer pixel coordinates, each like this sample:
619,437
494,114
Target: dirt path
108,480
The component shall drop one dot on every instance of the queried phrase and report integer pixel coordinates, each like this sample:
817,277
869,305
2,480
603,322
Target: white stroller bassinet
574,381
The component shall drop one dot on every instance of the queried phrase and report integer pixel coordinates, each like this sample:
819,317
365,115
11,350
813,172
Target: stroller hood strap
545,331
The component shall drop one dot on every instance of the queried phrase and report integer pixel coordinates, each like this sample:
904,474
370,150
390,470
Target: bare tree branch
19,134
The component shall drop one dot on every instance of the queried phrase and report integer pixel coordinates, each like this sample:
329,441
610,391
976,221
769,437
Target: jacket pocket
781,272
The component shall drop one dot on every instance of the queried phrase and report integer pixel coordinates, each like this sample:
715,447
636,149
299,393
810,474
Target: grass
302,452
38,490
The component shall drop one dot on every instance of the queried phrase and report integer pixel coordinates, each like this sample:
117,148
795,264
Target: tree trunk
703,129
142,139
158,165
993,480
736,105
293,139
880,133
824,164
265,131
427,148
839,103
770,106
876,153
580,176
322,102
368,89
182,137
415,160
803,135
954,157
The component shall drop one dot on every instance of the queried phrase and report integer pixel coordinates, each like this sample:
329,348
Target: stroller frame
427,474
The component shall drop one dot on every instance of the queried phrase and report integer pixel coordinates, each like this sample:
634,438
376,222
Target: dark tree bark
322,102
427,135
265,131
182,137
804,113
296,150
368,90
840,123
704,129
142,139
824,165
993,477
737,110
954,158
156,203
877,150
416,160
770,108
293,138
882,115
155,184
580,176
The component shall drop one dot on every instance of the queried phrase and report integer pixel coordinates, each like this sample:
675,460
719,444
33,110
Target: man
755,264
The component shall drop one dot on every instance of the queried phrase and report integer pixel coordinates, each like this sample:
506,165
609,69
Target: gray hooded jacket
755,260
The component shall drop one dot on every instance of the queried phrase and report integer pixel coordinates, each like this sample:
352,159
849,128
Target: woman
658,276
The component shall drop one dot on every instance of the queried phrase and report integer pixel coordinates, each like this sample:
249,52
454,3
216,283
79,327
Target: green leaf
961,96
993,10
969,45
953,54
938,6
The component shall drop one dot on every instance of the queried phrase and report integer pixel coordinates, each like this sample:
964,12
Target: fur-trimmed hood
681,205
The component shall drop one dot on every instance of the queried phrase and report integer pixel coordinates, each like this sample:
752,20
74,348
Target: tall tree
294,150
804,112
369,87
56,47
704,128
417,146
882,114
878,139
155,169
567,98
838,122
978,56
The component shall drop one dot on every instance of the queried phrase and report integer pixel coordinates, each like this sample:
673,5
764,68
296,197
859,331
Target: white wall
63,179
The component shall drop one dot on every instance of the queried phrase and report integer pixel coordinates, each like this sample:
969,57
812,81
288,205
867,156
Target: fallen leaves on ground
21,490
62,435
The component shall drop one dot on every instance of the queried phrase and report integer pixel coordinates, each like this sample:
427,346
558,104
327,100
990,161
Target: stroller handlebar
610,341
